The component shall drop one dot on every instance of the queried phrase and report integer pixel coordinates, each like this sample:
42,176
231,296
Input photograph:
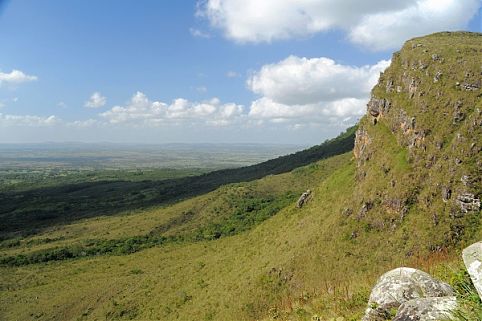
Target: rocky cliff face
418,149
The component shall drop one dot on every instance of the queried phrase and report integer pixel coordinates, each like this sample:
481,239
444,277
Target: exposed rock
347,211
412,88
422,65
376,107
435,57
406,123
416,45
471,87
427,309
417,138
364,210
468,202
304,198
458,115
446,193
472,256
466,180
399,286
389,86
362,141
395,205
437,76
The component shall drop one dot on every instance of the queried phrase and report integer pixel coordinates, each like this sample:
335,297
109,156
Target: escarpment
418,148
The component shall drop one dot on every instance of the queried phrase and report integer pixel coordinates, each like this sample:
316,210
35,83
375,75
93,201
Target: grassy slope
320,259
29,211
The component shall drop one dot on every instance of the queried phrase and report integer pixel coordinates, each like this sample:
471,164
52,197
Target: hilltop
408,194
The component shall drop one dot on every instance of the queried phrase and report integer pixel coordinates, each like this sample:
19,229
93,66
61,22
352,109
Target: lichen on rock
399,286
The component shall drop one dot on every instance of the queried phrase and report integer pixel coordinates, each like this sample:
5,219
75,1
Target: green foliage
29,211
469,304
247,212
244,252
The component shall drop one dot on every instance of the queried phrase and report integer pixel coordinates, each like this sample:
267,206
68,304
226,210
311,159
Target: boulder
399,286
446,193
468,202
437,76
303,199
472,256
427,309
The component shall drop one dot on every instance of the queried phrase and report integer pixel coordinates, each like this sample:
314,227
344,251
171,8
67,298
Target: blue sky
201,71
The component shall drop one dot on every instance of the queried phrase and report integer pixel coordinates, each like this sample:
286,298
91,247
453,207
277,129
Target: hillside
409,194
27,211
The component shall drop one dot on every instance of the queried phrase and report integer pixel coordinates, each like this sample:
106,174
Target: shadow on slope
28,212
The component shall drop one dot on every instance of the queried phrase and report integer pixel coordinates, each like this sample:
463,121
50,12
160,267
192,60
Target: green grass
24,212
243,251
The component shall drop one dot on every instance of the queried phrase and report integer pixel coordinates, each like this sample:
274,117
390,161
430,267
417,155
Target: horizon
201,72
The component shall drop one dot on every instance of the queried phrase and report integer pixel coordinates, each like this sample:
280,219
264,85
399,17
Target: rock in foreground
399,286
427,309
472,256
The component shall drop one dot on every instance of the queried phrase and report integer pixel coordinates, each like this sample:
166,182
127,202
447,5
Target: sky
209,71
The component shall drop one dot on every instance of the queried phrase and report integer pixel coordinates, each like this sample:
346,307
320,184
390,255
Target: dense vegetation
243,251
245,213
27,211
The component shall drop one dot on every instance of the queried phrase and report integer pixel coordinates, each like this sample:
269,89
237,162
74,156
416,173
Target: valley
401,188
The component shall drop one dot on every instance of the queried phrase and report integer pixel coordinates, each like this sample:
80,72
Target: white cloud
96,101
232,74
199,33
376,24
84,123
343,111
141,111
389,29
315,90
297,80
28,120
15,77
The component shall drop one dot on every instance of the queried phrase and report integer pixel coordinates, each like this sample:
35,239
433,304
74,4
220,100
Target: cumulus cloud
317,89
15,77
376,24
389,29
297,80
96,101
142,111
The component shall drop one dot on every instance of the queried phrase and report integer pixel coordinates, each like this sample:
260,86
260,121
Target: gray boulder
468,202
472,256
427,309
399,286
304,198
